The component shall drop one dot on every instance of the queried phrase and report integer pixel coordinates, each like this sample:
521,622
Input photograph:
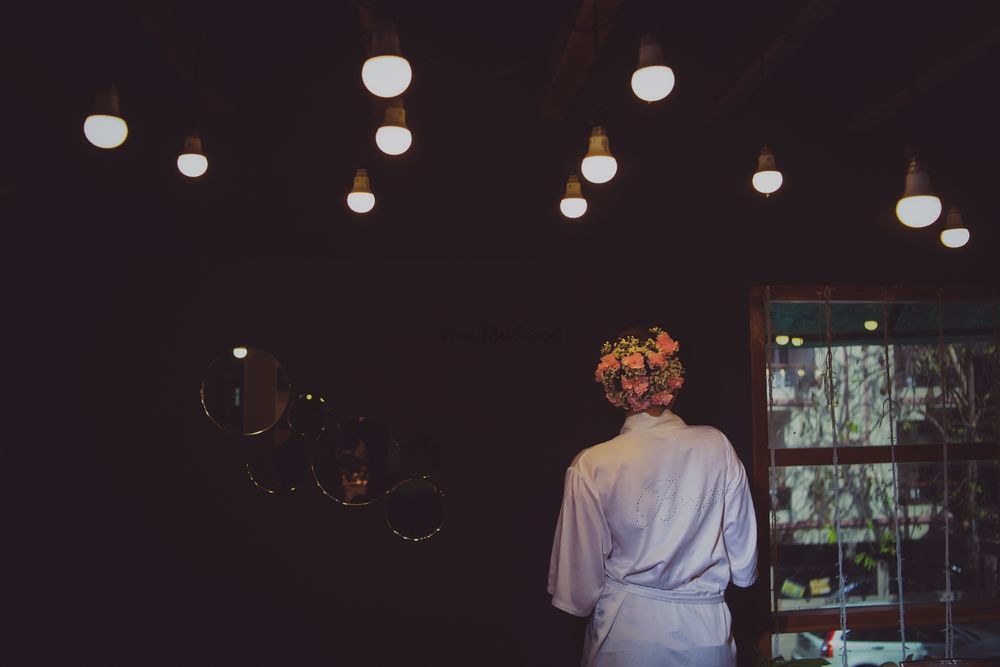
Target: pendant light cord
831,400
889,379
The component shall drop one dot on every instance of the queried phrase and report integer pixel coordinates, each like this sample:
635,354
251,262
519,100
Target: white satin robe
654,525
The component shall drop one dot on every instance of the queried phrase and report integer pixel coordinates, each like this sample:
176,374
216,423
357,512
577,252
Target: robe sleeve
581,544
739,530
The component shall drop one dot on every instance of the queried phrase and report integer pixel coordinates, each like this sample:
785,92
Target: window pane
877,645
806,571
938,392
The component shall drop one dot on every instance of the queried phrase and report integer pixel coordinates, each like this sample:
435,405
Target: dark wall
138,533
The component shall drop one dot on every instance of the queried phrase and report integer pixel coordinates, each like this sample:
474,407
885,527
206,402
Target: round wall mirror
415,509
245,391
354,463
309,414
277,461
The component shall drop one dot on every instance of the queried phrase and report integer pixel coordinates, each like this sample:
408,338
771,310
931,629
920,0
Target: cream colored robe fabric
654,525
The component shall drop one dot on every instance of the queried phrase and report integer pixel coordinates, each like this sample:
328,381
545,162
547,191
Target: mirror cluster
289,439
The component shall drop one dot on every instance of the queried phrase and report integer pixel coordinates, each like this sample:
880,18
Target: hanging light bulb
361,199
652,80
781,339
573,205
797,341
393,137
955,234
599,166
105,128
767,178
386,73
871,325
918,207
192,161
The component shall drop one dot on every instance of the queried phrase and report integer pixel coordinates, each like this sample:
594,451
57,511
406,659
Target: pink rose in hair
637,386
656,360
638,404
634,360
667,344
662,398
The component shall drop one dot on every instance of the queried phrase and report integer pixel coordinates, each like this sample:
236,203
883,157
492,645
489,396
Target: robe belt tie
685,597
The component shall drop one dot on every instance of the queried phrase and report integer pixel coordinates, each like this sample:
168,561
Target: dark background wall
137,537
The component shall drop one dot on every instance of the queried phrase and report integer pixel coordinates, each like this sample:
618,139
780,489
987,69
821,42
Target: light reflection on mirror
354,463
276,461
415,509
245,391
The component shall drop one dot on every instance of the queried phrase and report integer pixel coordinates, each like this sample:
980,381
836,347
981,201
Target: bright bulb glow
797,342
393,140
573,207
919,210
766,182
653,83
781,340
192,165
361,202
240,352
801,372
599,168
955,238
386,76
105,131
871,325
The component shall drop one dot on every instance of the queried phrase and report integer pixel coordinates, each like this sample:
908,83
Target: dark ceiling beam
936,76
578,56
806,23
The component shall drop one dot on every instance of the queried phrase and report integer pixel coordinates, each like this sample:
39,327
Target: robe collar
643,421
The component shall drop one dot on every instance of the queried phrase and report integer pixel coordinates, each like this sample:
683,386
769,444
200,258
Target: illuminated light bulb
918,207
652,80
955,234
309,397
767,178
240,352
599,166
797,342
386,73
393,137
573,205
192,161
361,199
871,325
781,340
801,372
105,128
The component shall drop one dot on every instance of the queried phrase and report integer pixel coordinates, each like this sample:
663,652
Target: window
910,373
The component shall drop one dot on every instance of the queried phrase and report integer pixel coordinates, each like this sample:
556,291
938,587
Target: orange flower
656,360
635,360
608,361
667,344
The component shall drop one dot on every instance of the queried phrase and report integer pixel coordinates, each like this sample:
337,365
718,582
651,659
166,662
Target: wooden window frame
822,620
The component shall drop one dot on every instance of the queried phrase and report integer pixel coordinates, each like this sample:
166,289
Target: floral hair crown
638,374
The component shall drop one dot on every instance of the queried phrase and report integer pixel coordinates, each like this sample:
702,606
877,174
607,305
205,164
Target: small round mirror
277,461
245,391
415,509
354,463
308,414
